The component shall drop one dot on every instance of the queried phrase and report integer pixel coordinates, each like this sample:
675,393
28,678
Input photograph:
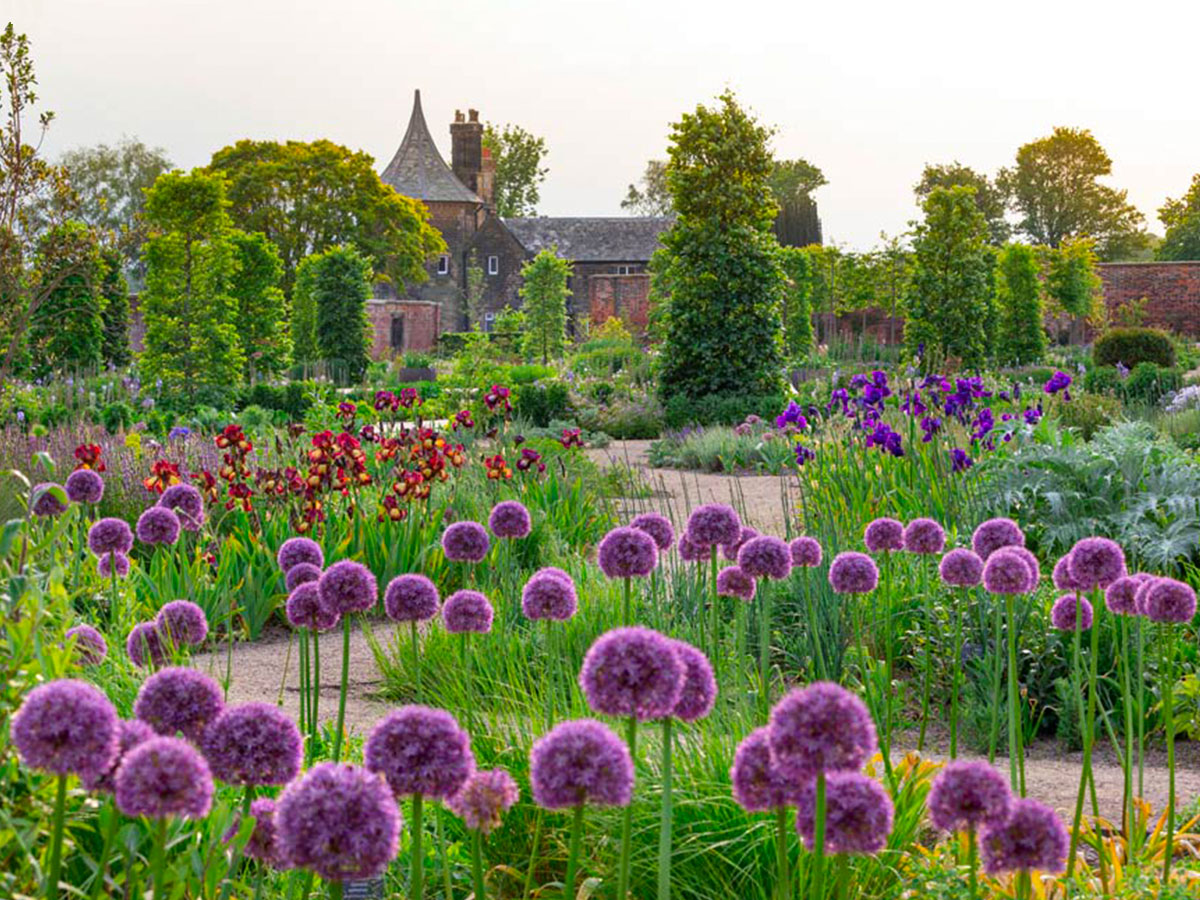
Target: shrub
1130,346
289,398
625,420
116,416
1146,383
414,360
720,409
1087,413
543,402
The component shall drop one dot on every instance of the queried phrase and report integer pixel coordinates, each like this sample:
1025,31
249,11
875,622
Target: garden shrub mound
1130,346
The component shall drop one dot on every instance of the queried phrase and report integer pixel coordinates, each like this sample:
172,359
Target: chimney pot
474,114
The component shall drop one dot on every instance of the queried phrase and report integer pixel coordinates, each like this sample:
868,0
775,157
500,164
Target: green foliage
543,402
341,285
1072,280
1019,297
797,302
509,321
544,293
302,323
114,291
720,409
116,416
652,198
262,314
473,293
1086,413
1181,218
66,330
989,198
949,301
291,398
625,419
1130,346
518,157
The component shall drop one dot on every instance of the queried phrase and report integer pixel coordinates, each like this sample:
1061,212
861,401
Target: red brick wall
422,323
625,296
1172,290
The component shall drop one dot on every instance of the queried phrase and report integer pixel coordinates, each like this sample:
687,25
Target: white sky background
867,91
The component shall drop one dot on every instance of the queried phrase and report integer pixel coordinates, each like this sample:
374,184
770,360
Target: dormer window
443,264
493,265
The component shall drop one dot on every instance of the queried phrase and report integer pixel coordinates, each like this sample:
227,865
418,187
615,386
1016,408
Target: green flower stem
764,641
955,677
160,869
1077,682
664,833
843,877
783,858
341,717
889,652
112,602
927,674
818,890
815,630
973,862
713,610
627,604
441,843
418,854
60,805
416,653
1141,705
1016,763
994,729
627,818
572,855
739,639
314,686
1127,813
1168,687
236,859
533,852
335,890
302,674
476,867
110,835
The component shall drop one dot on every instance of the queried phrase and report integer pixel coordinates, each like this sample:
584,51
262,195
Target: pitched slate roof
418,170
615,239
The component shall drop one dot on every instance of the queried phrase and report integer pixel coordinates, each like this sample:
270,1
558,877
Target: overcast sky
868,92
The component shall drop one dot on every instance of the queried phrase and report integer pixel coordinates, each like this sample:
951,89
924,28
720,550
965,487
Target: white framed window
443,267
626,270
489,319
493,265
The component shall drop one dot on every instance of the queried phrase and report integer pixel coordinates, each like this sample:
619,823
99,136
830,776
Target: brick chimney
466,151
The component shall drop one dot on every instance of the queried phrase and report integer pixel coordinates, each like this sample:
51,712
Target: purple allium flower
90,646
144,645
186,501
581,761
1096,562
253,744
689,551
182,622
969,795
632,672
713,523
820,728
1007,572
733,582
924,536
348,587
106,564
66,727
411,598
758,785
658,527
263,844
961,568
110,535
805,551
179,700
730,551
301,573
158,525
627,553
1061,576
85,486
510,519
1121,596
484,798
1168,600
549,594
130,733
765,557
858,814
298,550
465,542
163,777
1035,566
699,686
308,608
993,534
884,534
467,611
1031,837
853,573
45,503
340,821
1062,613
420,750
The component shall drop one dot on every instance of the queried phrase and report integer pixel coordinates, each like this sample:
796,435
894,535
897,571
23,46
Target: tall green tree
307,197
262,321
1073,282
518,156
988,196
114,290
66,331
302,321
1055,188
949,302
1181,218
719,266
797,302
544,294
650,197
341,286
190,313
1019,297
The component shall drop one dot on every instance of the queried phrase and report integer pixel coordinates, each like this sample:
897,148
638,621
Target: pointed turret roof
418,170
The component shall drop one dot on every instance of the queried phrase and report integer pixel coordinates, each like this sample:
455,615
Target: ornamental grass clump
179,701
348,587
969,796
481,803
412,599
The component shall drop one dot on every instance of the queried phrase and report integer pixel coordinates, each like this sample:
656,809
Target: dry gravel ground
1051,774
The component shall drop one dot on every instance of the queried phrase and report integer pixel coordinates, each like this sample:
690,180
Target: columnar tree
1019,296
989,196
262,315
114,290
66,331
797,302
719,267
341,286
1073,282
302,322
544,293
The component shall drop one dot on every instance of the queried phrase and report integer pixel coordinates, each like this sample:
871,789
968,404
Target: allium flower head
263,844
182,622
632,672
765,557
186,501
348,587
1031,838
658,527
484,798
112,562
549,594
924,536
993,534
581,761
821,728
66,727
90,646
713,524
110,535
158,525
179,700
467,611
144,645
420,750
690,551
961,568
758,784
1121,596
411,598
699,686
339,821
253,744
1062,613
858,814
805,551
465,542
1007,572
307,607
510,519
853,573
969,795
301,573
1168,600
1035,566
883,535
45,503
85,486
164,777
627,553
730,551
1096,562
733,582
298,550
1061,576
130,733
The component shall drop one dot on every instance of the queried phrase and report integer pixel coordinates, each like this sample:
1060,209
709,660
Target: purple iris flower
983,424
913,404
793,415
803,454
931,425
959,461
1059,381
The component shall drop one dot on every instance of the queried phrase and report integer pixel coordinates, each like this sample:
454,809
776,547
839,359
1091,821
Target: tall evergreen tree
544,292
1019,295
303,319
66,331
262,315
114,289
341,285
797,302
